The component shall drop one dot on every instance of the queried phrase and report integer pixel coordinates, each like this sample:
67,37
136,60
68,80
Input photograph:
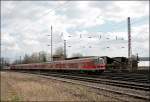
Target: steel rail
139,86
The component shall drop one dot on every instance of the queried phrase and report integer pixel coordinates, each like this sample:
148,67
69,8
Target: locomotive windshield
100,60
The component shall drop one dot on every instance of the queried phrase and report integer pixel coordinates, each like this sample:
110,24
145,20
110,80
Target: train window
96,61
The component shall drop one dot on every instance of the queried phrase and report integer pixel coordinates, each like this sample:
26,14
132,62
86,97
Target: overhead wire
80,34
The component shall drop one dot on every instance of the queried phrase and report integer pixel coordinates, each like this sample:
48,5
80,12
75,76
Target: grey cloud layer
26,24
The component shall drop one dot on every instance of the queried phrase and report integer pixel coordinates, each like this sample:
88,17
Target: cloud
26,24
124,9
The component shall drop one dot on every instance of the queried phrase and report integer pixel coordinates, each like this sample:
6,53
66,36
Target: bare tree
4,62
26,59
59,51
42,56
34,58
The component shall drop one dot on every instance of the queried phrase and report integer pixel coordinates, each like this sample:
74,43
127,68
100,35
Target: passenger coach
95,64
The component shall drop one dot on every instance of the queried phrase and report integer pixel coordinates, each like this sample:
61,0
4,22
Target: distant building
58,57
144,65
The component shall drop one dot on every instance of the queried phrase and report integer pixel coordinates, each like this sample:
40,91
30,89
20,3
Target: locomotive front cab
100,63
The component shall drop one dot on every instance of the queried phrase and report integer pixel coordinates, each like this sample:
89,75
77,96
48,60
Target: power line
136,21
123,25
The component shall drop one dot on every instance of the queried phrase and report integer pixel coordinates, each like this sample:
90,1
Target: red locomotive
96,64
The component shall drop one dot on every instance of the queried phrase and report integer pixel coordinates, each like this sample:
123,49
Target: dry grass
24,87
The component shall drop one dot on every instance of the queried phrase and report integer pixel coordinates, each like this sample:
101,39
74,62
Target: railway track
138,78
131,77
133,85
135,90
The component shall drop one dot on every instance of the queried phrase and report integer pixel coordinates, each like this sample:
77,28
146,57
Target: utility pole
20,60
129,38
64,49
129,44
51,46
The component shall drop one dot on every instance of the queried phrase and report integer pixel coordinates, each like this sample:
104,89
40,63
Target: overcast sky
26,24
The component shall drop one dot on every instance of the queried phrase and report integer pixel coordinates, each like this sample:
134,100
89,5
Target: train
91,64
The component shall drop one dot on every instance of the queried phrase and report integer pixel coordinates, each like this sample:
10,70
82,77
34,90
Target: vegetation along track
136,90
